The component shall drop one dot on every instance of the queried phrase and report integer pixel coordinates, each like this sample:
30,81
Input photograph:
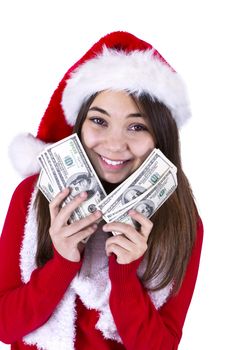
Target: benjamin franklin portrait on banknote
81,182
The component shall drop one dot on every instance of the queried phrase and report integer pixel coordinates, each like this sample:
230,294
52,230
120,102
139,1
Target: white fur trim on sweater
136,72
92,285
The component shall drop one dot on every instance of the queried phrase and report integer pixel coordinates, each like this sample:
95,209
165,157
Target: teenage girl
131,291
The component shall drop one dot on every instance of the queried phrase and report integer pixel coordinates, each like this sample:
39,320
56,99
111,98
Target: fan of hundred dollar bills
65,164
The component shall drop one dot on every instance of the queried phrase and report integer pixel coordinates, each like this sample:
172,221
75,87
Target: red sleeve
25,307
140,325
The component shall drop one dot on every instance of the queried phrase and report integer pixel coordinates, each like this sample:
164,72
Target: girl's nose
116,142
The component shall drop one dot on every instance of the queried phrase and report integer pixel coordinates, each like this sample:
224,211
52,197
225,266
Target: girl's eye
138,127
98,121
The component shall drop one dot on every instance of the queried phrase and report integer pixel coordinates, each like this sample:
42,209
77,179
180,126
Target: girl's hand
67,238
131,244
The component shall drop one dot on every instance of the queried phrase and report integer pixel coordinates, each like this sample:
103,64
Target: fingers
71,247
82,223
121,254
65,212
125,250
118,240
146,224
59,217
80,236
130,244
68,239
128,230
136,244
55,204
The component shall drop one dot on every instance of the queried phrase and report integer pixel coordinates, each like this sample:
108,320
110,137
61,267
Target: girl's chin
114,178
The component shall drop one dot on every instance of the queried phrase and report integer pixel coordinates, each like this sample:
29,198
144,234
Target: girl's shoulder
25,188
28,183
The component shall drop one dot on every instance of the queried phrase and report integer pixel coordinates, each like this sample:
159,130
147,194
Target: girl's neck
109,187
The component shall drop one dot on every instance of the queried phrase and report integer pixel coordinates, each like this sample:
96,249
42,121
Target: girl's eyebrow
101,110
98,109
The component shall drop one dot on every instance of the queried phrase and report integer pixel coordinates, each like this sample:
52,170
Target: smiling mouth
113,163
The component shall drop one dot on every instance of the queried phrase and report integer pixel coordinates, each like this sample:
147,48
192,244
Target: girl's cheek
142,147
89,137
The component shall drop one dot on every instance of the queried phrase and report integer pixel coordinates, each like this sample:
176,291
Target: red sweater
25,307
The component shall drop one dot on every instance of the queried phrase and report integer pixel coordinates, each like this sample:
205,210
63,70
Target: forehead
115,100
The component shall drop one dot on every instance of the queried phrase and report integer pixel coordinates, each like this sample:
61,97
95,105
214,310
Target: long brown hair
171,240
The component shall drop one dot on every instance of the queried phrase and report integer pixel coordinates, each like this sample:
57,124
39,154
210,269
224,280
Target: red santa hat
118,61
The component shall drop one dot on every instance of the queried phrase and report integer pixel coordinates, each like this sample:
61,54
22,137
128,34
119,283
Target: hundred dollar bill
149,173
151,200
70,167
45,169
50,190
50,170
47,187
52,180
111,216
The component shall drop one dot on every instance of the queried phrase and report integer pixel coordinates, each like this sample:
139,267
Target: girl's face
116,136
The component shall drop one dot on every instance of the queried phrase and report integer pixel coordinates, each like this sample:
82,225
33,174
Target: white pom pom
23,152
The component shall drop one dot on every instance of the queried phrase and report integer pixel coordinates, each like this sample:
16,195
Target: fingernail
83,194
98,213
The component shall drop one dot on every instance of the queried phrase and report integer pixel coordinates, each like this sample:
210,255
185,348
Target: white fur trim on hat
25,162
137,72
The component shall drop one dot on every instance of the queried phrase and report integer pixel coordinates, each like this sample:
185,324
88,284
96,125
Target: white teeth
112,162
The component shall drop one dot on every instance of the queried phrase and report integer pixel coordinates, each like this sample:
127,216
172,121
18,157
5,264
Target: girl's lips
112,164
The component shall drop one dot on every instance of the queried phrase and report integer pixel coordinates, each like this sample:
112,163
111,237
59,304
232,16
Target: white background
40,40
